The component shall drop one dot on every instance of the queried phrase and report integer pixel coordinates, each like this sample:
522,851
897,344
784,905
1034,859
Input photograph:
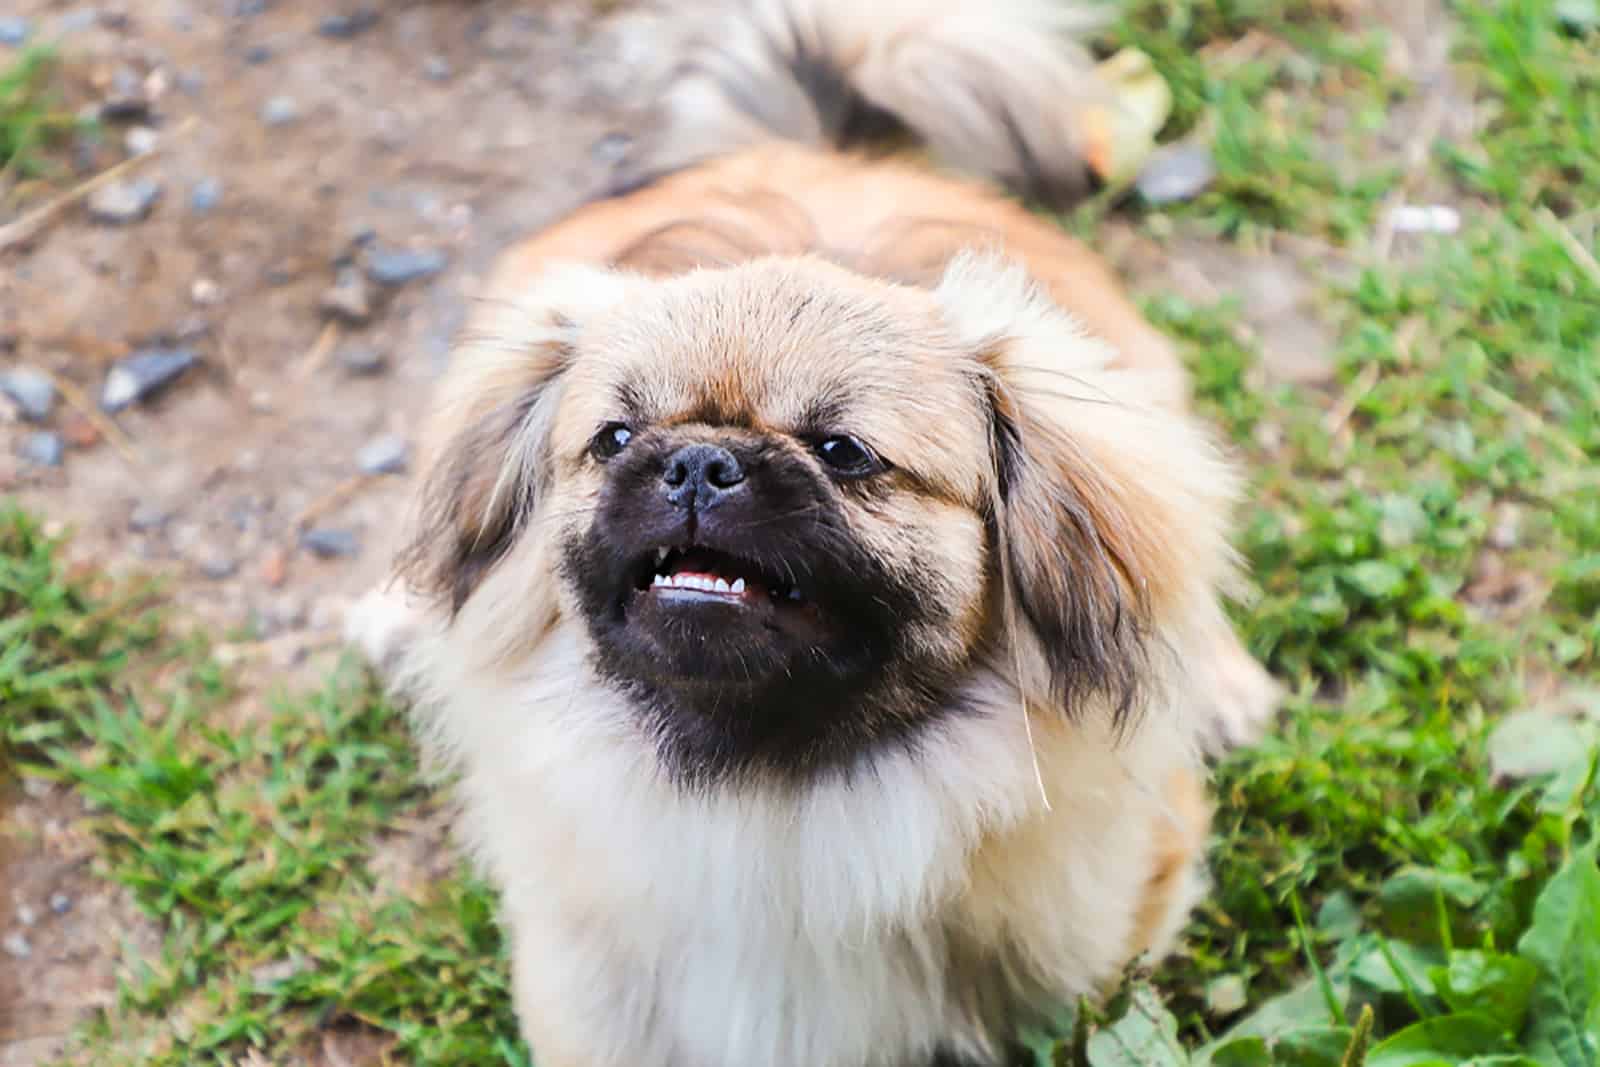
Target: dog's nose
701,475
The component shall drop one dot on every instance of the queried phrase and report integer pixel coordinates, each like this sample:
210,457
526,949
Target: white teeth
704,583
661,555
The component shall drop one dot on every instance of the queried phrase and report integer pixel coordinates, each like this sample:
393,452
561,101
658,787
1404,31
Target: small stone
60,903
436,69
143,374
1424,218
361,360
127,100
79,430
16,945
349,299
33,391
44,448
26,915
348,24
397,266
280,111
14,30
147,517
217,566
140,141
257,54
275,567
73,21
1177,173
388,454
205,195
329,542
124,201
205,292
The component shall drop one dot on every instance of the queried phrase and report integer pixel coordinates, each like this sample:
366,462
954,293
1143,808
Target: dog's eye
612,438
847,456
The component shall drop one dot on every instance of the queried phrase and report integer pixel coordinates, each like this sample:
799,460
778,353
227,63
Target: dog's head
794,510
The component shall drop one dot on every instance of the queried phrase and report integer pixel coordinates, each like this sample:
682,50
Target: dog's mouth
698,574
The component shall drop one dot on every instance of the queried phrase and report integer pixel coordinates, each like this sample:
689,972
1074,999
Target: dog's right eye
612,438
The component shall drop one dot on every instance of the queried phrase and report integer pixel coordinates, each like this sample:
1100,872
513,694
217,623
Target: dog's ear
1109,512
486,457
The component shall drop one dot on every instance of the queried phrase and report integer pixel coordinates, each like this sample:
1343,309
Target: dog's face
792,509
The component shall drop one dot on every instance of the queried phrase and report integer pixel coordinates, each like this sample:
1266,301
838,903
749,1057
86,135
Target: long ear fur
487,457
1110,511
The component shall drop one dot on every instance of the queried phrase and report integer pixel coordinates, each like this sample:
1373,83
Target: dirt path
441,128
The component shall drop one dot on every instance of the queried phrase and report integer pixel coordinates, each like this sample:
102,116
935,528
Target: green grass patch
31,118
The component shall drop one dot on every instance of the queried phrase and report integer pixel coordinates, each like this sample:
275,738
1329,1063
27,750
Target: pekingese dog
816,573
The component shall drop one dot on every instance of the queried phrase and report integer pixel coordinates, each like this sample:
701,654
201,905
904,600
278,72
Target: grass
30,115
1404,870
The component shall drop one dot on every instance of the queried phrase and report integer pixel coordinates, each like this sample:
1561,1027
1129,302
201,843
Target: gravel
348,299
32,390
1177,173
205,195
328,542
280,111
143,374
362,360
44,448
16,945
348,24
388,454
14,30
398,266
124,202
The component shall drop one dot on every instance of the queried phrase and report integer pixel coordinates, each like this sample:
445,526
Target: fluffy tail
992,88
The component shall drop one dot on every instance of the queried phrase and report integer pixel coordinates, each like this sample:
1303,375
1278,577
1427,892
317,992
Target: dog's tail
994,88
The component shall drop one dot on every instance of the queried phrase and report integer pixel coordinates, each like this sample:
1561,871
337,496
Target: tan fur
1062,515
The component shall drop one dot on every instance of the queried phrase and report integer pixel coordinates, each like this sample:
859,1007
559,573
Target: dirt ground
446,126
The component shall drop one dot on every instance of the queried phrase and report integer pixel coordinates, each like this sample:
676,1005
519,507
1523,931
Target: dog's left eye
848,456
612,438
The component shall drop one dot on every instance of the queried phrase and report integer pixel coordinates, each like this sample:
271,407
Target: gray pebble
280,111
26,915
142,374
217,566
388,454
206,195
248,8
140,141
60,903
44,448
348,299
127,99
257,54
148,517
14,30
348,24
361,360
330,542
125,201
33,391
436,69
73,21
397,266
1176,173
16,945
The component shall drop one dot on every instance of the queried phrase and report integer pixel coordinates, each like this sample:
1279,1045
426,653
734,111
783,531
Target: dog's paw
1240,698
381,625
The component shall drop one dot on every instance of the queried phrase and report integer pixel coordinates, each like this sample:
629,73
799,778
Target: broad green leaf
1487,983
1145,1036
1375,579
1447,1040
1375,971
1564,941
1533,743
1300,1010
1409,904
